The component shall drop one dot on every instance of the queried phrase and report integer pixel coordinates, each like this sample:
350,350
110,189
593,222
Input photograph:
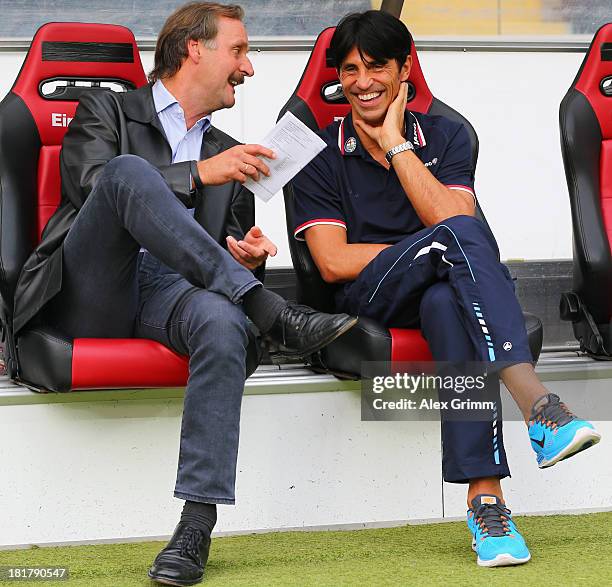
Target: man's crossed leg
185,291
447,277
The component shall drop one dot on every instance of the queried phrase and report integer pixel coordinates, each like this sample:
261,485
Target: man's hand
237,164
390,133
253,250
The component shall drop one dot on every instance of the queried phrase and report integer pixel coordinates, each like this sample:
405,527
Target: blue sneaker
556,433
495,538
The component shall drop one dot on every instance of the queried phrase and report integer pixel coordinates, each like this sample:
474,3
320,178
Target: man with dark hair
136,259
387,211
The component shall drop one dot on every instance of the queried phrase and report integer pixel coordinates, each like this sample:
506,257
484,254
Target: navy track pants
447,278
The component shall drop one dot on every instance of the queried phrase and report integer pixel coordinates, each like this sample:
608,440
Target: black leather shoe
183,560
300,331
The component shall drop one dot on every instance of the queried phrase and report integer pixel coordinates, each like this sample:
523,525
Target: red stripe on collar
418,138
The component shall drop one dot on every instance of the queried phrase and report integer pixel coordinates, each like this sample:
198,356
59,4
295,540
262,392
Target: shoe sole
302,354
501,560
167,581
583,439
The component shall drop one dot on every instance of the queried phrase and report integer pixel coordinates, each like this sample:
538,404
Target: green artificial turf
566,550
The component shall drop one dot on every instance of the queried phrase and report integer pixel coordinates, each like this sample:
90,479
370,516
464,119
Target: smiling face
369,86
223,64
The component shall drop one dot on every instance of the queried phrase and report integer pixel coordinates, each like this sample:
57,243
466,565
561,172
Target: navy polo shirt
344,186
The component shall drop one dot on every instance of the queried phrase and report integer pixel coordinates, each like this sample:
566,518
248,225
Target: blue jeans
183,292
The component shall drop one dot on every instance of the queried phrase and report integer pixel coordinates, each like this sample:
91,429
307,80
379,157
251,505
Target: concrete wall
99,470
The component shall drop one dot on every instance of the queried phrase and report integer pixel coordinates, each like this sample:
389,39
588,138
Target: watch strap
406,146
195,175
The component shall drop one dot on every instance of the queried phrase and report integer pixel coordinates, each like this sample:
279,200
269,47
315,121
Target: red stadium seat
64,60
318,101
585,119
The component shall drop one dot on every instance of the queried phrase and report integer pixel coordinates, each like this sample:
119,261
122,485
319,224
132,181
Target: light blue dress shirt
185,144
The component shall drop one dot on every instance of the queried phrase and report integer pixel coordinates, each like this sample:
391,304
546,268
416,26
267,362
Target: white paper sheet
295,146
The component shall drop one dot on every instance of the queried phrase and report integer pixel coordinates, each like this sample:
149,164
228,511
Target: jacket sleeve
178,177
93,139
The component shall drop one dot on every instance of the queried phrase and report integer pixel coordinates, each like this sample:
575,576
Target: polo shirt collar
418,138
350,145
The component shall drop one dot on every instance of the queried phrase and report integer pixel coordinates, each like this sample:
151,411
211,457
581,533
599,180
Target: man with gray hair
155,238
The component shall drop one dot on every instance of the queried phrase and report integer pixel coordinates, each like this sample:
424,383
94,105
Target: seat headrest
594,79
66,59
319,84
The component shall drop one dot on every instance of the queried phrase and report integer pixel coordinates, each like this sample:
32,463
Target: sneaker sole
302,354
174,582
503,560
583,439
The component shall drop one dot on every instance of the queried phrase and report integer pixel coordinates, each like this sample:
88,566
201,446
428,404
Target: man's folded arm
320,220
337,260
448,193
433,201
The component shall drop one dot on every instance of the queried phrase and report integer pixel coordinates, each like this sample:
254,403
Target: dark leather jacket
107,124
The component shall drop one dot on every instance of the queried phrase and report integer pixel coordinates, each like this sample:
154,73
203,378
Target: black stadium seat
585,119
64,60
318,101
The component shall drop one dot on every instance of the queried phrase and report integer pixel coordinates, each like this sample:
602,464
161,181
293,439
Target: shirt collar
350,145
348,140
163,99
418,138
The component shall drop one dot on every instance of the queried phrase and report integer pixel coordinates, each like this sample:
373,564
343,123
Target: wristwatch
195,175
407,146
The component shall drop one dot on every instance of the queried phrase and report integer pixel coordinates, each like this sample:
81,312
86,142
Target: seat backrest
317,101
64,60
585,119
